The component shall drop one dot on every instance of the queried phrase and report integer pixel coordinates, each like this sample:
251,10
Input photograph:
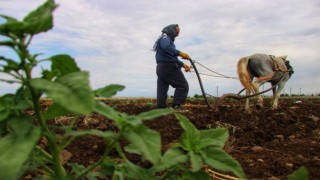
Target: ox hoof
247,111
274,108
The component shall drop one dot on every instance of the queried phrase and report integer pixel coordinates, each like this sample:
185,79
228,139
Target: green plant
69,88
299,174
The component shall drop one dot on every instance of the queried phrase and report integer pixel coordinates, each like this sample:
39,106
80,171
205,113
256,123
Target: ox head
287,63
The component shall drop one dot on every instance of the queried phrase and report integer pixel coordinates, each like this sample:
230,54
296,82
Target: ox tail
243,73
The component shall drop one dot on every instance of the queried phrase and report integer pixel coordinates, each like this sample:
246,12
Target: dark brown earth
269,144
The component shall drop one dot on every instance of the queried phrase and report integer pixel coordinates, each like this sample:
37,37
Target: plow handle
200,82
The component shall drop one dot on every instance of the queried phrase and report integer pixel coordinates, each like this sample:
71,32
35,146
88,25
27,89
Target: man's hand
184,55
186,67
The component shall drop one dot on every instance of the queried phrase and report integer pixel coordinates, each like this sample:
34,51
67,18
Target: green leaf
11,65
196,161
213,137
71,91
300,174
4,109
41,19
12,26
190,138
15,148
92,132
132,171
10,44
109,90
55,110
64,64
132,121
77,168
149,115
108,111
220,160
200,175
49,75
9,106
145,142
108,166
171,157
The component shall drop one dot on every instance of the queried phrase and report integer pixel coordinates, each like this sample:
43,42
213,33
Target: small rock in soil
65,156
313,118
257,149
289,165
260,160
88,120
292,137
62,120
300,157
273,178
28,176
279,137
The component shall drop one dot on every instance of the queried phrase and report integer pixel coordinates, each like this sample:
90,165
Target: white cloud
113,38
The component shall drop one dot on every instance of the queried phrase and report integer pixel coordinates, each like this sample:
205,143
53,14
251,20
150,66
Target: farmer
169,68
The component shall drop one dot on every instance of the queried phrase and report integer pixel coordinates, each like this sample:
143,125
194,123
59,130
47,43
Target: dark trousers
171,74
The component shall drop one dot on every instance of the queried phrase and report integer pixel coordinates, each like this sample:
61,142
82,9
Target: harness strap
276,68
267,77
276,65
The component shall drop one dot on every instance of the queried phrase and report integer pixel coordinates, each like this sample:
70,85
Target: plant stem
58,168
120,152
43,152
105,154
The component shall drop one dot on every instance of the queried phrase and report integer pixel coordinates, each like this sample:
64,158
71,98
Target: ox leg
276,94
247,105
256,86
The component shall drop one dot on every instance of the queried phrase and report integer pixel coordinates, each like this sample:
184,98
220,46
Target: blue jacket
166,51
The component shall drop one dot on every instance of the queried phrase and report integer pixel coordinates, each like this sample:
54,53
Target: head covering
171,31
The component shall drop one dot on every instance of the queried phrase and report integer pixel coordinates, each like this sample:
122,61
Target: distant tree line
282,95
293,95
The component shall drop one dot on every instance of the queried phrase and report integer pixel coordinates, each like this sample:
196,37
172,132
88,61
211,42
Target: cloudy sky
112,39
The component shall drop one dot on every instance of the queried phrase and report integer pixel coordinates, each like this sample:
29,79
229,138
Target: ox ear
284,57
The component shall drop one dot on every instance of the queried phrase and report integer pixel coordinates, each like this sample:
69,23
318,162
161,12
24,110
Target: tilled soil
269,144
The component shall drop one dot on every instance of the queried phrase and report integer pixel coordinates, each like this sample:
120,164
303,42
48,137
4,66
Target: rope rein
269,77
220,75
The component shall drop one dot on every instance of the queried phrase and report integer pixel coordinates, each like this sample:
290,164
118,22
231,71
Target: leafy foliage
23,138
205,146
300,174
71,91
69,88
